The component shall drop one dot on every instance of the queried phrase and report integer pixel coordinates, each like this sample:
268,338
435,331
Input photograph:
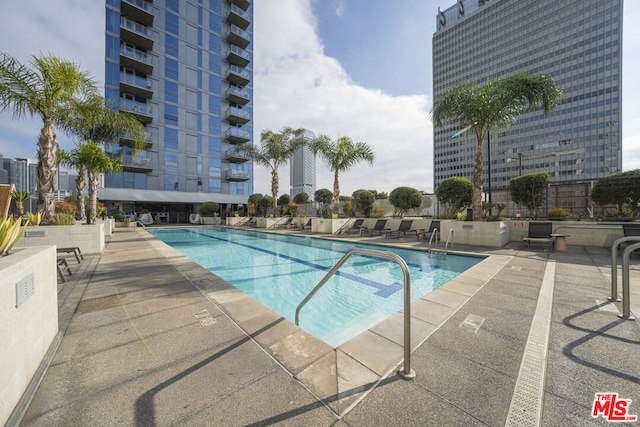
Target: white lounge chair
194,218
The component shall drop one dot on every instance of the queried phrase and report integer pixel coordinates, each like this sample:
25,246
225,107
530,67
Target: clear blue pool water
280,270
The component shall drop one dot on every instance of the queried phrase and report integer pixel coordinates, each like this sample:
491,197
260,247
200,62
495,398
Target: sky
356,68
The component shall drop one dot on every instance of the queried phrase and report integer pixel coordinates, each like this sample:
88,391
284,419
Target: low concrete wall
493,234
579,233
327,225
28,319
89,238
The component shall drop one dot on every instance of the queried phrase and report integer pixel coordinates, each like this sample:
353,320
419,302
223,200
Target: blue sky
360,68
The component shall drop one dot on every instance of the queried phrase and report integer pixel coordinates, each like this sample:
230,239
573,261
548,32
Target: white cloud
296,85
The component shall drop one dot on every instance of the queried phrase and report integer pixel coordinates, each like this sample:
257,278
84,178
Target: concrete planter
210,220
28,319
329,226
579,233
493,234
89,238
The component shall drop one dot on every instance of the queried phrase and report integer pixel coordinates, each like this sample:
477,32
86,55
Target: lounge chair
285,224
301,225
426,235
251,223
631,230
194,218
539,232
355,227
378,228
405,226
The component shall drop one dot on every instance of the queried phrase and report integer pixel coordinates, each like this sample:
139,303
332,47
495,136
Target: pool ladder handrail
407,373
446,246
626,294
614,264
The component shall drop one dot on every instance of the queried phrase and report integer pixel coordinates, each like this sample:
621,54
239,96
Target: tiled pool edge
343,376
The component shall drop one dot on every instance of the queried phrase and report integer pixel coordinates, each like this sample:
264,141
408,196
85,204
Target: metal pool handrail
626,299
407,373
434,234
614,264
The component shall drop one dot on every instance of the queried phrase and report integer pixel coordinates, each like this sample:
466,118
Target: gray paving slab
153,339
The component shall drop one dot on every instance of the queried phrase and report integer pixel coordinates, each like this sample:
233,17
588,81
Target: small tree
209,209
405,198
324,196
363,201
301,198
19,197
619,189
455,193
283,202
347,208
529,190
263,205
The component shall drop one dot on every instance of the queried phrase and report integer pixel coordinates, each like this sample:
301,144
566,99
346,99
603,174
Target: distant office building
578,43
23,173
303,168
4,175
184,69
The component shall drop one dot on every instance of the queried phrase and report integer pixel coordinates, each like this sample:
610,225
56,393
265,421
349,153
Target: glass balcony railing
135,107
142,4
235,9
134,26
237,155
238,112
135,80
238,133
238,175
239,52
136,54
235,91
241,72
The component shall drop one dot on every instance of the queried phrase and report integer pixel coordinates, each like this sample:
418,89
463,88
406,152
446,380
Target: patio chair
405,226
301,225
378,228
286,224
146,218
194,218
355,227
251,223
631,230
539,232
426,235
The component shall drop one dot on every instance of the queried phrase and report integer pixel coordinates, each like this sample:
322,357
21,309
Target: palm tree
95,123
91,158
494,105
340,156
49,90
20,197
275,149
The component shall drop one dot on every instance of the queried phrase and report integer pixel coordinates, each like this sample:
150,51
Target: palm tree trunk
336,193
93,196
274,188
81,182
47,168
476,200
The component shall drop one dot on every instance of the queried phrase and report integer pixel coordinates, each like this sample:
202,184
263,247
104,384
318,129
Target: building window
171,91
171,68
171,46
172,24
171,114
171,138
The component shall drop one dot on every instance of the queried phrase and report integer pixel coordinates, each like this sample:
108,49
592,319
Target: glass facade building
578,43
184,69
303,168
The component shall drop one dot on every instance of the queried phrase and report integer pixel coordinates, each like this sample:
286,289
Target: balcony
140,110
139,165
238,36
128,141
236,156
242,4
238,56
140,10
237,175
135,59
237,95
237,135
135,33
238,115
136,85
238,76
238,17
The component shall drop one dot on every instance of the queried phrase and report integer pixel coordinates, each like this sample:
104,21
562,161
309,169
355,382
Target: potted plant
20,197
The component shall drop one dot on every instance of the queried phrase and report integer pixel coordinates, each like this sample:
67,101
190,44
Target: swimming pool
280,270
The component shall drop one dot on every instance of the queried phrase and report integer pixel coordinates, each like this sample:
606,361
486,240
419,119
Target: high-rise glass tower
184,69
578,43
303,167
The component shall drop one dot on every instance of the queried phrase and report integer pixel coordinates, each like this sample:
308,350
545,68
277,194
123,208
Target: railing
407,373
614,265
434,235
238,51
626,300
136,54
142,4
238,71
135,80
238,133
134,26
449,239
235,9
135,106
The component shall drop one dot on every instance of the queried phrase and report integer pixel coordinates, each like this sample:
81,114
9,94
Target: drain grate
526,403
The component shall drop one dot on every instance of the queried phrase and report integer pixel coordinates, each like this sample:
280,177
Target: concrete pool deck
150,338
